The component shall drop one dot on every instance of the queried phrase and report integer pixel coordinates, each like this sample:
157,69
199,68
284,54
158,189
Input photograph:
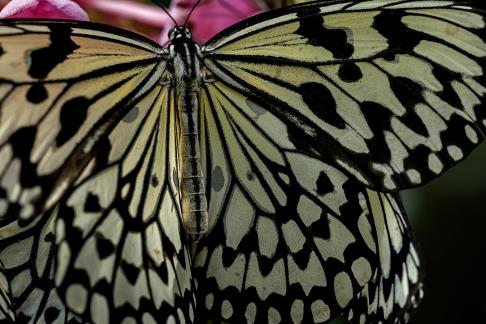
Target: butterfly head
179,33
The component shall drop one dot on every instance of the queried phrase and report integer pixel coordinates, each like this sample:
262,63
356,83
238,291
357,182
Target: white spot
191,313
412,269
471,134
250,312
77,298
293,236
27,211
171,320
362,271
226,309
129,320
153,243
297,311
267,236
180,314
365,230
124,191
274,316
284,178
148,319
320,311
343,289
3,206
455,152
238,219
209,300
435,164
308,211
414,176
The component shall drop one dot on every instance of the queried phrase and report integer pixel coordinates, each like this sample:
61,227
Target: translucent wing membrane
396,288
122,251
27,255
6,310
74,82
391,91
291,237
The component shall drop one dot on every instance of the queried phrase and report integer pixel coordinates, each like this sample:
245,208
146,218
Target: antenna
190,13
158,3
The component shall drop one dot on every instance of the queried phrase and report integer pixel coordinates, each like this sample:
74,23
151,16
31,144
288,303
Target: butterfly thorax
187,79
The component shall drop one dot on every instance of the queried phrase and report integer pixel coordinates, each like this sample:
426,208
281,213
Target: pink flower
53,9
209,17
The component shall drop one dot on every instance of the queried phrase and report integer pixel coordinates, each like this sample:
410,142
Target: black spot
102,152
22,318
324,184
409,93
400,38
447,78
72,116
131,272
44,60
322,103
250,175
154,181
163,274
320,228
1,51
51,314
22,141
350,72
217,179
92,203
49,237
104,247
333,40
131,115
377,116
37,93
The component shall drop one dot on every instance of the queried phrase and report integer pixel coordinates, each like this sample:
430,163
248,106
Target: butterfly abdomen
187,77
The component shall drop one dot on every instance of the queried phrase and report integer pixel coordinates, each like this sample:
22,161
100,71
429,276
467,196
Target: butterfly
277,147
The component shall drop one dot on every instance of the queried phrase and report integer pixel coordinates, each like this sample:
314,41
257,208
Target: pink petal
209,17
145,13
51,9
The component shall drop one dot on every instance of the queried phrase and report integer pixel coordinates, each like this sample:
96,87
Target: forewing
63,87
122,253
396,288
391,91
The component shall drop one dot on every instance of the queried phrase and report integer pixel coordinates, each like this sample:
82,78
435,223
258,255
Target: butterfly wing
27,255
291,236
6,312
396,288
392,91
101,144
300,103
64,85
122,251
